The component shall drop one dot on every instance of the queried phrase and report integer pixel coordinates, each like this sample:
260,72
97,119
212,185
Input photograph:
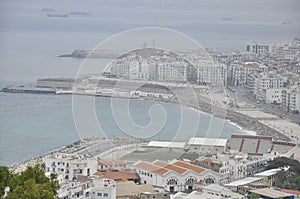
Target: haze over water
31,125
30,40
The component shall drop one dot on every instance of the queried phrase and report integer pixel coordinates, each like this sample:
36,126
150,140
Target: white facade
217,190
207,145
93,188
151,65
291,99
211,74
272,95
266,81
103,188
69,166
167,146
173,177
238,186
246,168
295,101
235,167
237,74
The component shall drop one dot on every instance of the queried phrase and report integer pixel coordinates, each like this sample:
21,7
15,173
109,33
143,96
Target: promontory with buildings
258,88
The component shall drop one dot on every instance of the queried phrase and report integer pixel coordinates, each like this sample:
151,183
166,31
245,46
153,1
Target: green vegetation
31,183
190,156
289,179
137,151
253,196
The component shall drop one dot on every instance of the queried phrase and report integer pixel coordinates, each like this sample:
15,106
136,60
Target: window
105,194
99,194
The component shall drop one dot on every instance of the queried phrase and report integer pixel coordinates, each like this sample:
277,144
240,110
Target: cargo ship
58,15
48,10
80,13
227,19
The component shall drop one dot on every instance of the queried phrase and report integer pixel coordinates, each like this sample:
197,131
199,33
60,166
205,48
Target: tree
31,183
253,196
289,179
5,178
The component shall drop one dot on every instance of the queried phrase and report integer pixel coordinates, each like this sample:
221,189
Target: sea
32,124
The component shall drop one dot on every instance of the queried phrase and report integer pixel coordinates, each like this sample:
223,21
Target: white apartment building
89,188
237,73
291,99
172,71
234,167
69,166
272,95
294,103
265,81
211,73
240,169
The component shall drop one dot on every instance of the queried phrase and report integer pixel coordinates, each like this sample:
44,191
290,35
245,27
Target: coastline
243,122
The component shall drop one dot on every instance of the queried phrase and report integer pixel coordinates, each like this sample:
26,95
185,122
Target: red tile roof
118,175
160,163
291,191
152,168
171,167
188,166
162,168
116,162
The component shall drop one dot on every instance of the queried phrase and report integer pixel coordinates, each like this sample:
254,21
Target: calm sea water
31,125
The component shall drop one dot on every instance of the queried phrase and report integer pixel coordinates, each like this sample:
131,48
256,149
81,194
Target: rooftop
207,141
110,163
118,175
130,188
188,166
171,167
165,144
269,172
162,168
271,193
151,167
244,181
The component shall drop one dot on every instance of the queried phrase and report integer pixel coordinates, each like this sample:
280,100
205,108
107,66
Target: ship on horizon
48,10
58,15
286,22
80,13
227,19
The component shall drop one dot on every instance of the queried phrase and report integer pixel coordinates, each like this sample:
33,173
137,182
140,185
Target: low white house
218,190
241,186
174,176
167,146
206,145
